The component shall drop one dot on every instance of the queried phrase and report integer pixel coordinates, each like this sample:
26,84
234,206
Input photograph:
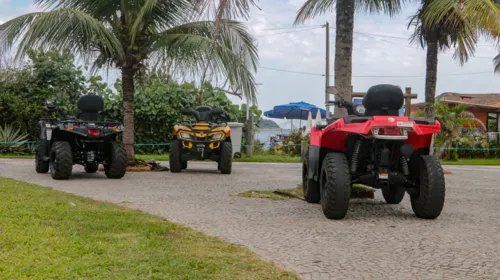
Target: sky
382,54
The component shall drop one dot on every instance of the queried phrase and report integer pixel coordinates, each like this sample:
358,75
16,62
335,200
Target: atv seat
90,106
383,100
423,121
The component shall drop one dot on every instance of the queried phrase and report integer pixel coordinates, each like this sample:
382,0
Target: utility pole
249,130
327,70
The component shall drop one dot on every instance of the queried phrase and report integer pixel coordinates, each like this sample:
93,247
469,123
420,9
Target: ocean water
263,134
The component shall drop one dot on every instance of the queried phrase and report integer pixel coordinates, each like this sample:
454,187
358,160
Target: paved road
375,241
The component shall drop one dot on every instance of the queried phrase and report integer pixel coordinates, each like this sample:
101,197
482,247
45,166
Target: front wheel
428,202
41,166
174,159
226,158
309,186
116,166
335,185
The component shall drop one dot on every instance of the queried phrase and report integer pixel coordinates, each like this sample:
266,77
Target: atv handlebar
343,104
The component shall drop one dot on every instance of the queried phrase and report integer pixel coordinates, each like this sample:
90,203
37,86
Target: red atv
376,147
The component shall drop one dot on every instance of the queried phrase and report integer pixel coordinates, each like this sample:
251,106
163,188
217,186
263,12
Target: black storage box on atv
67,141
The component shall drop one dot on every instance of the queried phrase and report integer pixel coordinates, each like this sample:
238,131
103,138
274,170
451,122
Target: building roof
490,99
417,106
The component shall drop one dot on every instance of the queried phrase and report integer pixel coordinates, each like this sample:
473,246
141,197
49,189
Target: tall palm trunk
128,111
431,78
430,83
344,29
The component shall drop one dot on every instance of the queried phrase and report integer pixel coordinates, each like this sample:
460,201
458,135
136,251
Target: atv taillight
111,125
76,124
389,131
94,132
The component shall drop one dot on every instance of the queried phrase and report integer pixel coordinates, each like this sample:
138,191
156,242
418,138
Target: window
492,124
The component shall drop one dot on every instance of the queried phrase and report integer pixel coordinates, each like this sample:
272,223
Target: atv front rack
90,122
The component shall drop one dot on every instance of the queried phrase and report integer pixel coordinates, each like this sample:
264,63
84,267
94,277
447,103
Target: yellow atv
201,140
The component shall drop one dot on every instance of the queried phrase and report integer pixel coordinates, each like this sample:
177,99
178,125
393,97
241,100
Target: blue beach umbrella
294,111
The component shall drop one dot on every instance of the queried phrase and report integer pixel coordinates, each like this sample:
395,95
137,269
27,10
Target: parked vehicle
202,139
376,147
66,141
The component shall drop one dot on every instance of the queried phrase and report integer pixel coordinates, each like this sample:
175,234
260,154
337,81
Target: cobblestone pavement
374,241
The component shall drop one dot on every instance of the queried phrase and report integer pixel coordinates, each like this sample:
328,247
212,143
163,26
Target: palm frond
390,7
313,8
484,14
139,20
228,50
63,29
224,9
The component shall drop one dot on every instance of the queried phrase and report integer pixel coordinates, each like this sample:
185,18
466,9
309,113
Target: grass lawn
47,234
17,156
475,161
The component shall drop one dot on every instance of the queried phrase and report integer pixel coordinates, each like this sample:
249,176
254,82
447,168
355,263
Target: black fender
44,149
313,164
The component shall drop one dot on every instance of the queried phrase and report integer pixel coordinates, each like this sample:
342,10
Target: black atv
65,141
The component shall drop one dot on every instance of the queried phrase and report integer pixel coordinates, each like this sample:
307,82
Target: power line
295,31
311,27
376,76
355,32
290,27
376,35
289,71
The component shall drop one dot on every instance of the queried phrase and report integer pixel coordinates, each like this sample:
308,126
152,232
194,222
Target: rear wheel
393,194
335,185
175,157
61,160
41,166
428,202
184,165
310,187
116,166
91,167
226,158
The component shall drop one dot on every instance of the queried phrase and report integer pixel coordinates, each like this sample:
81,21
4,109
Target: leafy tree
158,108
344,30
47,75
443,24
457,127
128,34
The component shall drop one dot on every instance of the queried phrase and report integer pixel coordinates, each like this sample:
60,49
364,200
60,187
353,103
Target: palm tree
344,30
128,34
442,24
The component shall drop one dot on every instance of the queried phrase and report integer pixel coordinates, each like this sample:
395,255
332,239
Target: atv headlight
217,136
360,109
185,135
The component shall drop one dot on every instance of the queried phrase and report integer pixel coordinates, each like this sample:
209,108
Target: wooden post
249,136
408,101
